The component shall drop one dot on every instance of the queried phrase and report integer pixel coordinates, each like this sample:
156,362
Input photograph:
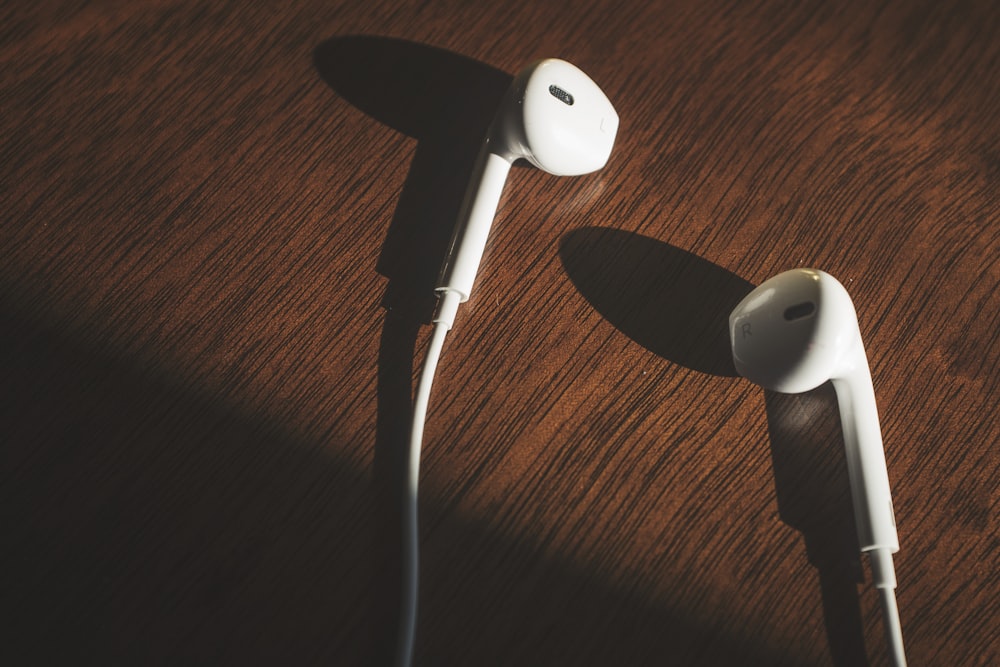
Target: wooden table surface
221,226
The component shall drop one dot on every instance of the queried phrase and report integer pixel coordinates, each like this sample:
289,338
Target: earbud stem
873,512
473,228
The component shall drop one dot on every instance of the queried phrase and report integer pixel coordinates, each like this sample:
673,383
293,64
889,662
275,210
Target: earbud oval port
800,310
561,95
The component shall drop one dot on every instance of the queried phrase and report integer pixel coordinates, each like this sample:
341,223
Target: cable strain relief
883,573
447,307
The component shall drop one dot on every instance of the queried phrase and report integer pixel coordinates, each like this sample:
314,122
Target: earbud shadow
677,305
670,301
446,102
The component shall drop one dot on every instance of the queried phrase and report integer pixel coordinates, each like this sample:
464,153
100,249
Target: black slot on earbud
561,95
800,310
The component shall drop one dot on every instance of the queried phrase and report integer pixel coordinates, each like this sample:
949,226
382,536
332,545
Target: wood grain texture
219,230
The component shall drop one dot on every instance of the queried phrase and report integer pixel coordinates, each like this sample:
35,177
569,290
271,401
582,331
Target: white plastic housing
792,334
555,117
568,125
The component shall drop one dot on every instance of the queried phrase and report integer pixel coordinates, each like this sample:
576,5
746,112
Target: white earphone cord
884,578
893,631
882,569
443,320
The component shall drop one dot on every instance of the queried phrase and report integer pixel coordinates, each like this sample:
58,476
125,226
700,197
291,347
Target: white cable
884,578
443,319
893,630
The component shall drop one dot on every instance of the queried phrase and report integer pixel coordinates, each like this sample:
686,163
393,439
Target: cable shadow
814,497
446,102
677,305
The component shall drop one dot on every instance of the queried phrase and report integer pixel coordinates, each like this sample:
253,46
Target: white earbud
555,117
792,334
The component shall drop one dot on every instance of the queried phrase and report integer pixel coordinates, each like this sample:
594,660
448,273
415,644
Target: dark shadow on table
150,520
677,305
670,301
814,497
446,102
